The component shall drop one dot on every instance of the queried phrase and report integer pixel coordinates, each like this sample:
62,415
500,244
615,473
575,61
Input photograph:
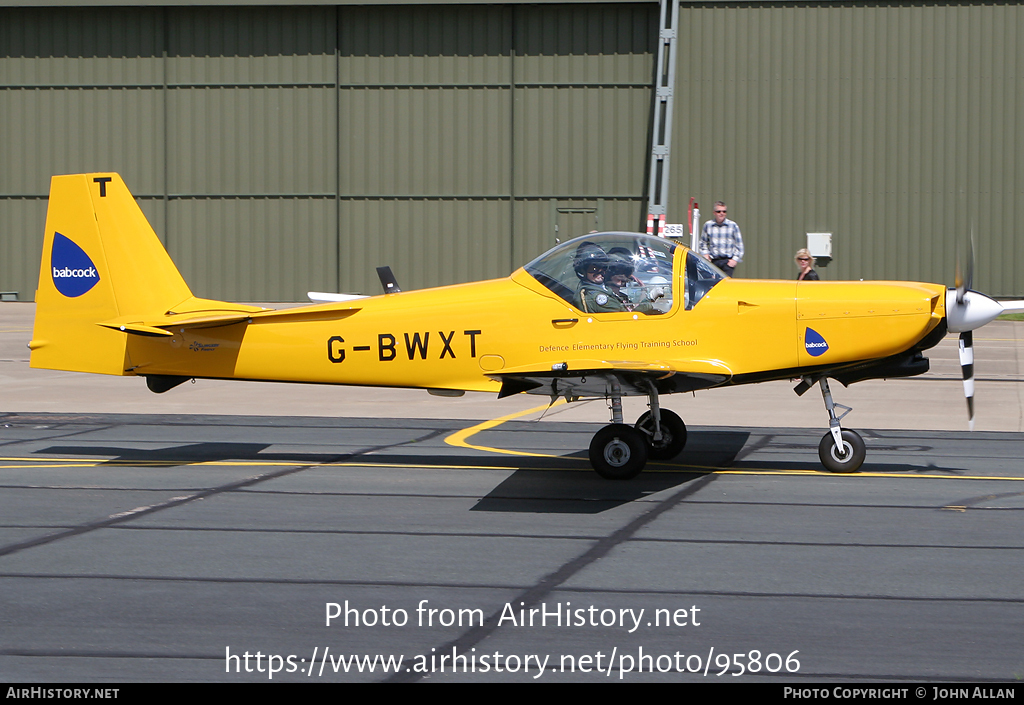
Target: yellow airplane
603,316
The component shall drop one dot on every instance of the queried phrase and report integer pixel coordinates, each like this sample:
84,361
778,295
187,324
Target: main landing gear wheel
673,434
847,459
618,452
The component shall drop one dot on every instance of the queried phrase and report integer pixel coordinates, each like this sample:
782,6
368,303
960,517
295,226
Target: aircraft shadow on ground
562,484
816,467
560,492
566,492
192,453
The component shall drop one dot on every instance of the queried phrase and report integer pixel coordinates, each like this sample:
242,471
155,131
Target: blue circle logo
72,270
814,344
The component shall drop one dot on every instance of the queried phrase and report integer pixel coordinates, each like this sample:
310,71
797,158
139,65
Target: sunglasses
803,259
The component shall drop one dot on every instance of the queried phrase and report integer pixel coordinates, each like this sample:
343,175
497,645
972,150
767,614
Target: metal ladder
661,132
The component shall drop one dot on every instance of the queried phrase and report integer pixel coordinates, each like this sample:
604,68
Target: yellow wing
598,378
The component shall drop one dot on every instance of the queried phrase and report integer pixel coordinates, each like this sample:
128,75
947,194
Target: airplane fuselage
454,337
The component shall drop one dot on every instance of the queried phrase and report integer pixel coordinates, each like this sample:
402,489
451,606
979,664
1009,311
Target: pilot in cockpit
593,296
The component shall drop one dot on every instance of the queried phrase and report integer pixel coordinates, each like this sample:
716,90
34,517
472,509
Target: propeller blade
958,282
965,311
964,277
967,368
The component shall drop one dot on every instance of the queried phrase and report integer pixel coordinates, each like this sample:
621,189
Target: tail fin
101,261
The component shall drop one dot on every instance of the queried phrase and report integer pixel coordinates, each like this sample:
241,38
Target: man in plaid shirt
721,241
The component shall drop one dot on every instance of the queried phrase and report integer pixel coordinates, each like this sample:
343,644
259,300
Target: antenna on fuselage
387,280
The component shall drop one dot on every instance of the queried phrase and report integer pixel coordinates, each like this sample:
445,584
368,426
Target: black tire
618,452
850,460
673,434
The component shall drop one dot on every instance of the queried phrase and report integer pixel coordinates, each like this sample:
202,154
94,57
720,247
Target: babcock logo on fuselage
814,344
73,271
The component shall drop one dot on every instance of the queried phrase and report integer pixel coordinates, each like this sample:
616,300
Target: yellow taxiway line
458,439
33,464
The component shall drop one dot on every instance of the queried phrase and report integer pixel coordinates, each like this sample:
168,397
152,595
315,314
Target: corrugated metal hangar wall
895,126
282,149
279,150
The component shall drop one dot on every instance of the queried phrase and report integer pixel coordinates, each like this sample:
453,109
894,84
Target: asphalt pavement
245,532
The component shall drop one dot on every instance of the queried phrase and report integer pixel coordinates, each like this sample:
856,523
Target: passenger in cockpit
619,274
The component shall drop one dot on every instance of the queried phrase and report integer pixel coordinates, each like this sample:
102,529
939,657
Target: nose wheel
846,458
841,449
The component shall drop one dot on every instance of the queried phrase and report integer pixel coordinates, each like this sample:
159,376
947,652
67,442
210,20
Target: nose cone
973,312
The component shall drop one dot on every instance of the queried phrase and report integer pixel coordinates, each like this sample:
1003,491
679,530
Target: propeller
967,310
967,368
962,279
962,282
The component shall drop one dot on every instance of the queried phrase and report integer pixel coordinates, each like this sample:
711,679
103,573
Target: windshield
701,275
609,272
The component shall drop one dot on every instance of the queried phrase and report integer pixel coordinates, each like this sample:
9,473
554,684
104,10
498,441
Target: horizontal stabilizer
137,329
191,316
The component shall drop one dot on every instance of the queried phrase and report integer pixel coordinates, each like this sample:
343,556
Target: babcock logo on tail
814,343
73,271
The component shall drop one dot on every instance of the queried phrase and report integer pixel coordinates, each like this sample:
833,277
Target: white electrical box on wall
820,244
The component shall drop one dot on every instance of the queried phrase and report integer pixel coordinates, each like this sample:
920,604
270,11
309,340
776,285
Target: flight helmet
588,254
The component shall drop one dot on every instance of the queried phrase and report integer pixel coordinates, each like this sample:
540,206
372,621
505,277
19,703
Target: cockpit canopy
646,263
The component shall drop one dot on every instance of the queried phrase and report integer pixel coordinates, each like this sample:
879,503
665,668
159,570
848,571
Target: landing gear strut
664,430
620,452
840,450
